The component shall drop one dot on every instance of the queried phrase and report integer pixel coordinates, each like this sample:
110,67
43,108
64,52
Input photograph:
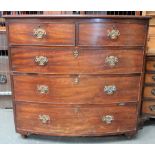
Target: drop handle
110,89
44,118
113,34
42,89
41,60
107,119
39,33
111,60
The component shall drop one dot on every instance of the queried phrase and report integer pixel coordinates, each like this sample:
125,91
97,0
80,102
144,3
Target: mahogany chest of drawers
77,75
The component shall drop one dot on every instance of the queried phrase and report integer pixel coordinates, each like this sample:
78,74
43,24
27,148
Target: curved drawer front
42,34
111,34
75,61
75,120
76,89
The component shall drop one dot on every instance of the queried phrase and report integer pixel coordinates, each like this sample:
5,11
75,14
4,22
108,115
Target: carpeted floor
8,135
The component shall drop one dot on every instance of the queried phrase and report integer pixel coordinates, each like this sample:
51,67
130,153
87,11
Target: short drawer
149,92
149,78
75,120
79,89
42,34
111,34
76,61
149,107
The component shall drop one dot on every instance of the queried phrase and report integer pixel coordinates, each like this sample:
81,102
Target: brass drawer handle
153,78
44,118
3,79
39,33
75,53
113,34
42,89
41,60
153,92
110,89
152,108
108,119
111,60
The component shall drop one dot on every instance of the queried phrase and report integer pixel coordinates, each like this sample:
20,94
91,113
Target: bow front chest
76,75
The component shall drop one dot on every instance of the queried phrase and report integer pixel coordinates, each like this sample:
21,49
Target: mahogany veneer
77,75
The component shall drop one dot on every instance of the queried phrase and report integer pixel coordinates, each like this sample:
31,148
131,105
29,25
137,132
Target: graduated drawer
150,64
42,33
112,34
76,89
75,61
150,78
149,107
75,120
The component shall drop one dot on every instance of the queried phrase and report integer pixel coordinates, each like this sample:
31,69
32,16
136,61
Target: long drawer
111,34
77,89
42,33
76,61
76,119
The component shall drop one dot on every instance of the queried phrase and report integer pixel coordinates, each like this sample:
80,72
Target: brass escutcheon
75,53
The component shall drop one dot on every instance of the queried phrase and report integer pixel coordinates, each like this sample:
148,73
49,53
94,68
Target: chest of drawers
77,75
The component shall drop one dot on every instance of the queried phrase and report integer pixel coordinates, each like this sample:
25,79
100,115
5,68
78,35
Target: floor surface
9,136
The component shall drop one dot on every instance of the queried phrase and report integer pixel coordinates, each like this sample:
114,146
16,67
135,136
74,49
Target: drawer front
149,107
111,34
75,120
76,89
149,92
75,61
150,65
150,78
42,34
